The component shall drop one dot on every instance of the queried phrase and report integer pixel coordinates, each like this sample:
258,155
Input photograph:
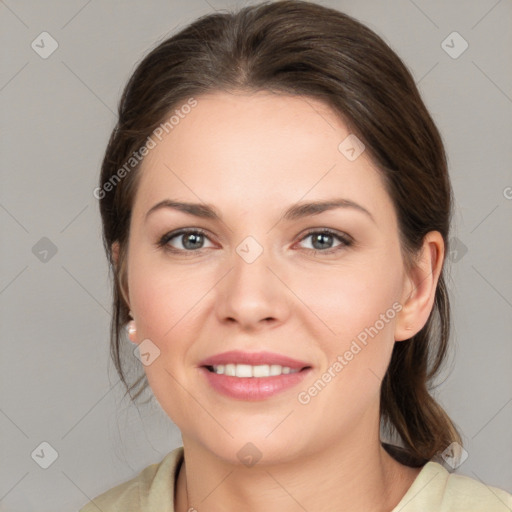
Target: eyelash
345,240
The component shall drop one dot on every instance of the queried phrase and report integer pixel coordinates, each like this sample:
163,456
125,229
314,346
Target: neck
356,474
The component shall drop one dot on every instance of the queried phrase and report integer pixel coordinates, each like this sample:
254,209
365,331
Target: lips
254,359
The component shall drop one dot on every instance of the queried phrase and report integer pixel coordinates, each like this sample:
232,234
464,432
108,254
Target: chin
249,449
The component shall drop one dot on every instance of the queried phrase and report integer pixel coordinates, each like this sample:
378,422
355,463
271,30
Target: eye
322,240
191,240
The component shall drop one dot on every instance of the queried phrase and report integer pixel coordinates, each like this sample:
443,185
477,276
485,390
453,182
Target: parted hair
296,47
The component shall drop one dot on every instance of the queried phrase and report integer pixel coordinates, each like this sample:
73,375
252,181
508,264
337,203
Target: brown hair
301,48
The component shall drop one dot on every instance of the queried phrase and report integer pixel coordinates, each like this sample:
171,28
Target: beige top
434,490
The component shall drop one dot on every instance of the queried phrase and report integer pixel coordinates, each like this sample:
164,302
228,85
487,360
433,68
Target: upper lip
254,359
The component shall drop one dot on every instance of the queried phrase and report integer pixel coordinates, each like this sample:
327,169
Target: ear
419,288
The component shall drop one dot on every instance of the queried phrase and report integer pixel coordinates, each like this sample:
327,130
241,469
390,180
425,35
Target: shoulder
151,489
435,489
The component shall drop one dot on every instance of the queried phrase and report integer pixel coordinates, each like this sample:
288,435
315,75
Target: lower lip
253,388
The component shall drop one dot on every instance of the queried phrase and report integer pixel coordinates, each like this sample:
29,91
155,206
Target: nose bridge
250,275
250,292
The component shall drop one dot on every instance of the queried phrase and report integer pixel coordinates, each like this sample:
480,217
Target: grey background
57,384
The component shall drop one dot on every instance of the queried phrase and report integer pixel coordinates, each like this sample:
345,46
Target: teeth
246,370
243,370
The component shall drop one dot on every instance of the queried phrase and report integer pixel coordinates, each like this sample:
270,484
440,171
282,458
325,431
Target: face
323,288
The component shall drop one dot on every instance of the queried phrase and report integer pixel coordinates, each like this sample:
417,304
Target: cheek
353,328
347,300
167,305
354,308
165,297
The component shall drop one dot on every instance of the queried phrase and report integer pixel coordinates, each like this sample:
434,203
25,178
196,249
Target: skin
251,156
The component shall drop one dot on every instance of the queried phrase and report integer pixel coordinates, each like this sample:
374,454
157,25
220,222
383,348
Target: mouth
252,383
253,376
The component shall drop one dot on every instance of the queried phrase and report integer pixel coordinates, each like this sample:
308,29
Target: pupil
192,236
319,238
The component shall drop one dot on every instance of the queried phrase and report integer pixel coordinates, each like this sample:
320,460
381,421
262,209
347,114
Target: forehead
258,149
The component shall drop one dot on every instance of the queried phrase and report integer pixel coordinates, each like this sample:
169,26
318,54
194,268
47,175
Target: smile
247,370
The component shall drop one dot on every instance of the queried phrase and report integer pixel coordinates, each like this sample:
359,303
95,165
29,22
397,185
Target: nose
251,295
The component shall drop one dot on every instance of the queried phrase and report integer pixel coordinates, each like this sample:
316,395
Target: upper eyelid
183,231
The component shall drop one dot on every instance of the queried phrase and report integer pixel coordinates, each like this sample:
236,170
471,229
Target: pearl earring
130,327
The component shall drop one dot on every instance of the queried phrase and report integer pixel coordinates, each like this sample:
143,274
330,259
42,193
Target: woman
276,208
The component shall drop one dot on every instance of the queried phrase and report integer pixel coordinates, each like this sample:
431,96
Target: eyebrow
296,211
